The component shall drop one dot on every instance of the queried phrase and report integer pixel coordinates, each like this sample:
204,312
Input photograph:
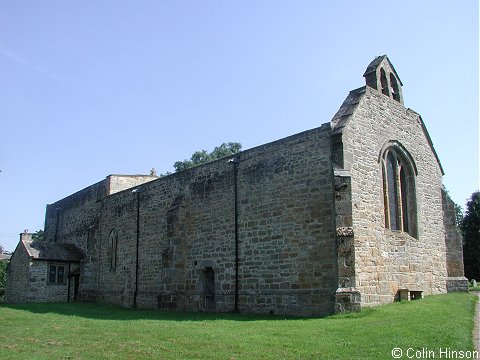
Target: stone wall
68,220
287,226
116,183
385,260
40,290
456,280
17,286
286,234
27,280
75,220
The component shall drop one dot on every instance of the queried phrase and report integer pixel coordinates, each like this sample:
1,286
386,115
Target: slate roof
374,64
42,250
340,119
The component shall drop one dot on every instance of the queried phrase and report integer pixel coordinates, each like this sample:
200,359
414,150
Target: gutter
235,162
137,191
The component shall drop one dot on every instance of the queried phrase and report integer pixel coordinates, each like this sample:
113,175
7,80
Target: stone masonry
298,226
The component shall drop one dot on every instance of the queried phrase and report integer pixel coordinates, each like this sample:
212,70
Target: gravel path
476,327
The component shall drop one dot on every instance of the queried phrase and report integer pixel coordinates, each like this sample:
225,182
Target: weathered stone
299,222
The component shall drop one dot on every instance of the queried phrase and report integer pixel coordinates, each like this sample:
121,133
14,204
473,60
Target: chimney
25,236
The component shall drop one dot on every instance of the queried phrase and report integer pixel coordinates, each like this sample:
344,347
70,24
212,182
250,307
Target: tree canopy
38,235
202,156
3,278
470,228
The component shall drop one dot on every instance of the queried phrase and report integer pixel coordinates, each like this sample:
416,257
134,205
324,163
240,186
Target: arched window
113,239
395,89
400,203
384,82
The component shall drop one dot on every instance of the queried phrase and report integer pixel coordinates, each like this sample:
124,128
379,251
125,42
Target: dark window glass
60,272
114,253
395,90
52,274
384,83
403,186
385,198
392,191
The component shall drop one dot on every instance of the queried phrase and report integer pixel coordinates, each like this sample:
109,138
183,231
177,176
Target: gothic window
399,191
384,82
113,239
91,237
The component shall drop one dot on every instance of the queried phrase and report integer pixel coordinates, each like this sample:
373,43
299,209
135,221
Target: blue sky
93,88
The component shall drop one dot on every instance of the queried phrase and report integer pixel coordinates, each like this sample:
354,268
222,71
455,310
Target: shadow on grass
113,312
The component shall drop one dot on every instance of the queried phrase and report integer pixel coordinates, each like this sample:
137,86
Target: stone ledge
457,284
347,299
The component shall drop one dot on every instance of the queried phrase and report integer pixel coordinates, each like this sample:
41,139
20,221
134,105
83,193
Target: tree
458,215
3,278
38,235
202,156
470,228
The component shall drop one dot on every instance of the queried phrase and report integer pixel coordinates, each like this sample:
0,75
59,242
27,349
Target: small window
56,274
395,90
416,295
384,82
113,249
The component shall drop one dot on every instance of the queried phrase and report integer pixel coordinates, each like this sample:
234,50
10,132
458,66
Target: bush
3,278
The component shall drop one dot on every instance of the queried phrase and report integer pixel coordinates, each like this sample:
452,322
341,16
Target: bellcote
381,75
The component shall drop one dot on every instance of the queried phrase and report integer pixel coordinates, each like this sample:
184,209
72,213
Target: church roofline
372,67
46,251
429,139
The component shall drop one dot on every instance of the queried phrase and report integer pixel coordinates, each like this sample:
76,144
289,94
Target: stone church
346,215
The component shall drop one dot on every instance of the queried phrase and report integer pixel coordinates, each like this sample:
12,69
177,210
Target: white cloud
30,65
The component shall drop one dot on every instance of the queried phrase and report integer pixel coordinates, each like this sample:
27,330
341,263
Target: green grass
92,331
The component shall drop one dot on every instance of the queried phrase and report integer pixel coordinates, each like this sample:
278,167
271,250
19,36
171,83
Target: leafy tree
224,150
470,228
38,235
458,215
3,278
202,156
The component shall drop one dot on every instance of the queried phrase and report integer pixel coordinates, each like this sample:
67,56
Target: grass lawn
92,331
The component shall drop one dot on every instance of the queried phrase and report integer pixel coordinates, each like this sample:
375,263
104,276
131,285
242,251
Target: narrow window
113,249
52,274
404,191
395,89
60,271
91,237
392,193
384,82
